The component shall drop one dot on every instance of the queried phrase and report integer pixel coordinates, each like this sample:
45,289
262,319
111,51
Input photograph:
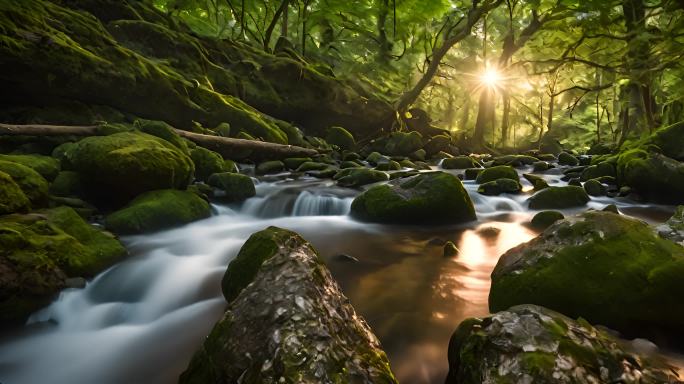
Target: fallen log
229,148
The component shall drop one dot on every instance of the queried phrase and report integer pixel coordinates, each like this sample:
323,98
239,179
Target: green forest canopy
499,72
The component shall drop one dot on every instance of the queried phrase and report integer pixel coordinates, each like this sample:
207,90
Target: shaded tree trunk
505,119
271,26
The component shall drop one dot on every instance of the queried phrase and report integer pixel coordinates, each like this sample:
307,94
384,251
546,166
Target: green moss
497,172
669,139
438,143
67,183
340,137
356,177
459,162
31,182
295,162
545,219
156,210
46,166
499,186
403,143
655,177
163,131
207,163
312,166
12,198
515,160
559,198
388,166
428,198
234,186
537,182
598,170
268,167
119,167
257,249
594,187
601,265
565,158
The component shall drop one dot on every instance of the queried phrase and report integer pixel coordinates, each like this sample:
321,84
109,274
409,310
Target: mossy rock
12,198
559,198
356,177
439,143
34,186
537,182
545,219
40,250
207,163
312,166
472,173
499,186
62,153
294,162
388,166
565,158
406,163
419,155
427,198
375,158
515,160
157,210
532,344
655,177
595,266
403,143
163,131
67,183
541,166
594,187
340,137
669,139
242,348
459,162
598,170
673,228
46,166
233,186
118,167
269,167
497,172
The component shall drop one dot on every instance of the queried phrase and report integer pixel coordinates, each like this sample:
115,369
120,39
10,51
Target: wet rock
376,158
532,344
515,160
459,162
565,158
340,137
208,162
559,198
40,250
654,176
609,269
596,171
419,155
427,198
312,166
403,143
545,219
673,228
401,174
350,156
31,183
46,166
388,166
489,233
287,321
269,167
537,182
450,249
541,166
75,282
67,183
497,172
472,173
439,143
406,163
118,167
12,198
356,177
594,188
232,186
156,210
611,208
497,187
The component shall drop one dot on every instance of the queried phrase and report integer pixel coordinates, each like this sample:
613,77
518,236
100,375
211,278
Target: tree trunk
283,26
274,21
230,148
483,123
385,48
505,119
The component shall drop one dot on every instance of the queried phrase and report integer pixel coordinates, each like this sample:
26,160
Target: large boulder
359,176
287,321
459,162
669,140
118,167
654,176
531,344
12,198
40,250
232,187
427,198
46,166
607,268
34,186
403,143
340,137
156,210
559,198
497,172
209,162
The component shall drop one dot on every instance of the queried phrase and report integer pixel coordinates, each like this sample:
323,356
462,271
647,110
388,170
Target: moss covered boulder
559,198
269,167
403,143
118,167
67,183
594,187
598,170
34,186
294,162
497,172
207,163
607,268
156,210
340,137
305,333
12,198
459,162
497,187
232,187
358,176
537,182
565,158
545,219
653,176
46,166
669,139
388,166
40,251
436,144
427,198
532,344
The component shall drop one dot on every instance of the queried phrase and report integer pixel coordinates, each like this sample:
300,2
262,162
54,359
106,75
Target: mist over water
141,320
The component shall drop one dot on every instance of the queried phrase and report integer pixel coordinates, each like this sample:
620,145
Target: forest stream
141,320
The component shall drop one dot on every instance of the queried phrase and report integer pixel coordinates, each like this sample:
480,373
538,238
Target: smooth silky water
141,320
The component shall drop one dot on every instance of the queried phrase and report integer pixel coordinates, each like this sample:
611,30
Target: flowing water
141,320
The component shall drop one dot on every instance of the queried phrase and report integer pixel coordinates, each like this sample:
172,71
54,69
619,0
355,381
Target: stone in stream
673,228
598,170
565,158
537,182
287,321
654,176
427,198
541,166
233,186
497,187
209,162
532,344
545,219
340,137
156,210
40,250
594,187
559,198
269,167
497,172
459,162
356,177
450,249
609,269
